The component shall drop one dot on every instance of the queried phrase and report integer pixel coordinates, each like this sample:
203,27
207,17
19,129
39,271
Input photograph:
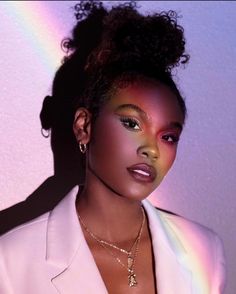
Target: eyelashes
133,125
130,123
172,139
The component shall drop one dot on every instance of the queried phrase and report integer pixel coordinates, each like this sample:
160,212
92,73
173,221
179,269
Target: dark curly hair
111,46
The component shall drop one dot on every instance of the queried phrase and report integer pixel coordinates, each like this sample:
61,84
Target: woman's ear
82,125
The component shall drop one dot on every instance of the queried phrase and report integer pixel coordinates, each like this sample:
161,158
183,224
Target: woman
105,237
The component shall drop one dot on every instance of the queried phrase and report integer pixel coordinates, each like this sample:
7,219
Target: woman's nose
150,152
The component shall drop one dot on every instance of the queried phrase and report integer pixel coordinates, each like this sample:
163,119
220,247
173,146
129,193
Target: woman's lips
142,172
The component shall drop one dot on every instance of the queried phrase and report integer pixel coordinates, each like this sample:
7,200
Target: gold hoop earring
82,147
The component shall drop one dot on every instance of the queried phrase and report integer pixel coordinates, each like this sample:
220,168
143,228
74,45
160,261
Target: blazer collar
72,266
171,266
73,269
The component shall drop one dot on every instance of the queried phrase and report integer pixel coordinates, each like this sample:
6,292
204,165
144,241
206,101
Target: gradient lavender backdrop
201,185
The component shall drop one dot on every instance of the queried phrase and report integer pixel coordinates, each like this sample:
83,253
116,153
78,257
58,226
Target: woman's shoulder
188,234
25,233
186,226
36,229
197,239
197,247
34,234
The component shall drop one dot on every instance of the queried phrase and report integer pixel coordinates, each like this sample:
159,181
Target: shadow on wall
57,116
68,171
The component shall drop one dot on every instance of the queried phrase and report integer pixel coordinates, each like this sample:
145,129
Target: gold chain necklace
130,260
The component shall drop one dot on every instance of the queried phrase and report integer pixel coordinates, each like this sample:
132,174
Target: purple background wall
201,185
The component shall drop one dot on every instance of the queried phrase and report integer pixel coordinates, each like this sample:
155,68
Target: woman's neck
108,215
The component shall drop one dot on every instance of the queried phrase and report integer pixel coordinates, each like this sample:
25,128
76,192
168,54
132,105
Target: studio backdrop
201,185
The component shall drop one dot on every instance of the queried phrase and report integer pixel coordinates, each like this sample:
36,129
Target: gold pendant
130,262
132,279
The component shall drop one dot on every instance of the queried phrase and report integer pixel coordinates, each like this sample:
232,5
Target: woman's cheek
112,140
168,155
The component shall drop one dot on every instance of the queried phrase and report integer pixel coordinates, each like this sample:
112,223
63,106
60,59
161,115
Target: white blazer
49,255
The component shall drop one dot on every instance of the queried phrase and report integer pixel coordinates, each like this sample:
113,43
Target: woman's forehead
148,98
142,92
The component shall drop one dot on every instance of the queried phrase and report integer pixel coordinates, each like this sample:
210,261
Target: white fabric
50,255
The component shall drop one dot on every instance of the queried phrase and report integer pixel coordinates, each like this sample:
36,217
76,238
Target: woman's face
134,139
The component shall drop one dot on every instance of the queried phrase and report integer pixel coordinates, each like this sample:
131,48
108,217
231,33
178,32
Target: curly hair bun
156,40
124,36
90,15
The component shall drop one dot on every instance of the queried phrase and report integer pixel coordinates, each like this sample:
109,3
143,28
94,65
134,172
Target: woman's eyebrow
133,107
175,125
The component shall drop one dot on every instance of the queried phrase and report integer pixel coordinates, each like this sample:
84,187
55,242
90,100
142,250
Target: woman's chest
114,268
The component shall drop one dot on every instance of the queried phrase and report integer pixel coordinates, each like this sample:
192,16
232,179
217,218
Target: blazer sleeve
219,280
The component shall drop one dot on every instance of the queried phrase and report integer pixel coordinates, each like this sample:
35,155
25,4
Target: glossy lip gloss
142,172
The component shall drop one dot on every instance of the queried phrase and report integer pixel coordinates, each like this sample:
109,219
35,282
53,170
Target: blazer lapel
73,270
172,273
71,265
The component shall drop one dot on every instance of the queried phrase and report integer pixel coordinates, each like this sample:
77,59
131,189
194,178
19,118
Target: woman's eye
171,138
130,123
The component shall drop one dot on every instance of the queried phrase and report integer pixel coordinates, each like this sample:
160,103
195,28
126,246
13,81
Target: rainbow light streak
196,260
39,27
